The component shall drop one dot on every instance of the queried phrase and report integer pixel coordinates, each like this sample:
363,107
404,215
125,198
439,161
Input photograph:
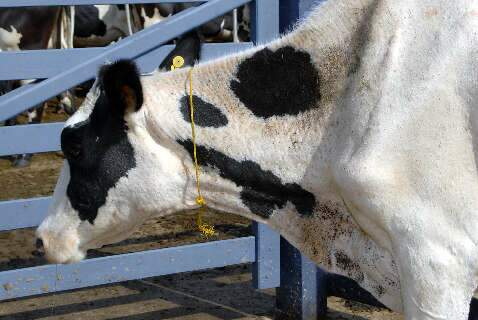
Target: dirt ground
224,293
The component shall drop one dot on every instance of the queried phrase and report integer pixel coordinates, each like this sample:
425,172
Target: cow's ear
186,52
122,86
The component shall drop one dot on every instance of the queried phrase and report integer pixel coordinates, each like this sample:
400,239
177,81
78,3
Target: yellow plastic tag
178,62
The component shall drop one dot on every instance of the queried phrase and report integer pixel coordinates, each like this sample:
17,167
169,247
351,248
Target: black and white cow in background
100,25
42,27
354,136
219,29
29,28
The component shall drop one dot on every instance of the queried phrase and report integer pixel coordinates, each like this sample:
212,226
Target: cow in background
100,25
220,29
31,28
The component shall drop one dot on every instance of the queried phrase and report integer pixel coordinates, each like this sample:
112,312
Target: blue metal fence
63,69
274,260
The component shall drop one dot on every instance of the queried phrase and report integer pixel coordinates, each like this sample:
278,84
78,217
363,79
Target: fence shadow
194,293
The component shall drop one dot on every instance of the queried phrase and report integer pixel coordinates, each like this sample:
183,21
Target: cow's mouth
59,247
62,258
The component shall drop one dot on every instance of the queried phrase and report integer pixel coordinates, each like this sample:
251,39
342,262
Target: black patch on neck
349,266
277,83
99,154
205,114
263,192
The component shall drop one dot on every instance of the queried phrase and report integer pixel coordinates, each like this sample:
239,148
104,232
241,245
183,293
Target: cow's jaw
62,246
59,232
66,237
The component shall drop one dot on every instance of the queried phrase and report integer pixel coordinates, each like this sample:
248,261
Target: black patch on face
99,154
277,83
205,114
263,192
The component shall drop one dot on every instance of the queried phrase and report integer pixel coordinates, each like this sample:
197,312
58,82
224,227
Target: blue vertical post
303,291
264,20
266,269
265,27
293,10
297,296
302,294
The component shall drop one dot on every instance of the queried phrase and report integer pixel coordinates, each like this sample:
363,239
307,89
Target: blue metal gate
81,65
63,69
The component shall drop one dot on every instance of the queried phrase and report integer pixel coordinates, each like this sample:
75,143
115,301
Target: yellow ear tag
178,62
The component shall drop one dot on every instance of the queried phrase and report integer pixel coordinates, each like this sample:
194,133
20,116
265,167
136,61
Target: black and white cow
100,25
29,28
354,136
218,30
26,29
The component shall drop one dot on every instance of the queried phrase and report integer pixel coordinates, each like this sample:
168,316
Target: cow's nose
39,244
38,252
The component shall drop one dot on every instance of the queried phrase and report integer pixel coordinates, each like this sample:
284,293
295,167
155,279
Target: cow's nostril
39,244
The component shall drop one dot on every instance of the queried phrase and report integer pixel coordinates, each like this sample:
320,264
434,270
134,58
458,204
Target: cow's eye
72,138
72,150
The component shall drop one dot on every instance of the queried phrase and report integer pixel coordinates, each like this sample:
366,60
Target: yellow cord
206,230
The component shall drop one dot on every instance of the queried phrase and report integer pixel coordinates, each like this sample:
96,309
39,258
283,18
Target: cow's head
113,169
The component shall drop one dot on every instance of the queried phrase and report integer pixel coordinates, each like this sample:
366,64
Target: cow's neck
263,162
279,169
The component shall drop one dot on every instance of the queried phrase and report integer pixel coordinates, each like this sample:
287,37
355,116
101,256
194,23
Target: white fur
389,152
113,17
10,40
157,17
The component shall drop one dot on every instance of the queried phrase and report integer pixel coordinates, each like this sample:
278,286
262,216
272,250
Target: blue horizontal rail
33,138
40,64
131,47
46,137
23,213
144,46
92,272
27,3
